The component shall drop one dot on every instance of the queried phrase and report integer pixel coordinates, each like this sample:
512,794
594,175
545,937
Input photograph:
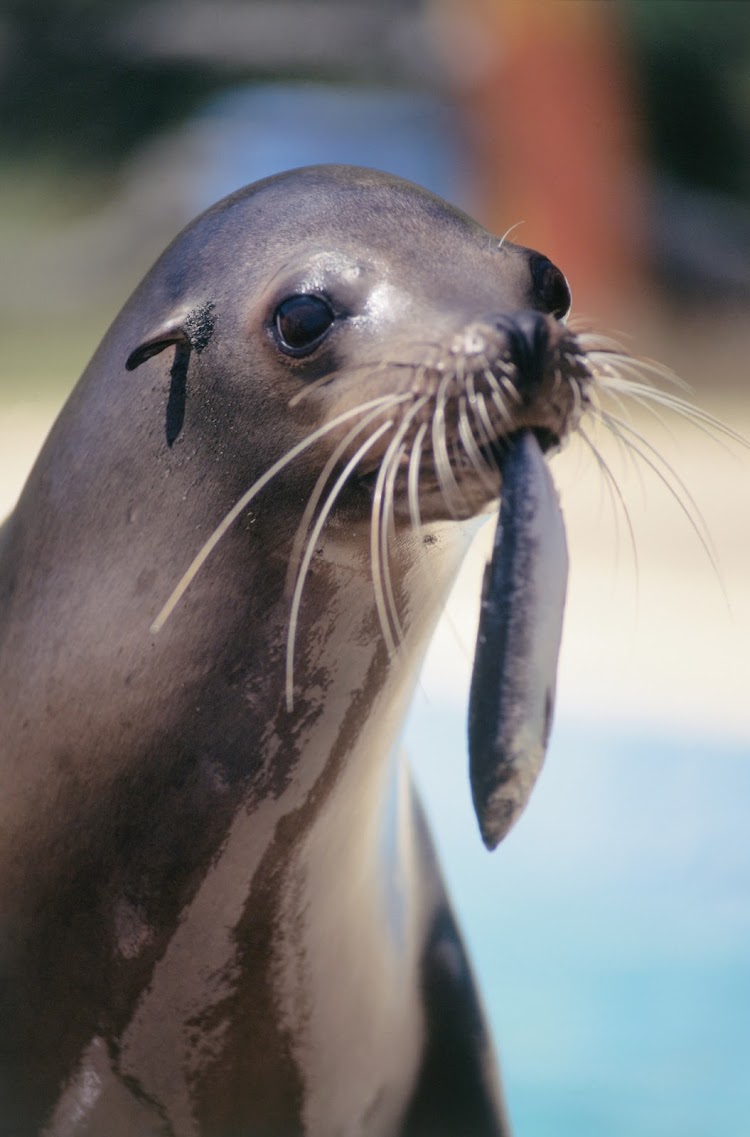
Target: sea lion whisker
507,233
581,324
317,492
510,387
471,389
614,386
625,378
496,391
615,392
627,452
456,457
648,406
413,489
371,366
597,342
699,418
375,565
324,381
658,457
378,531
419,373
639,445
497,397
207,548
641,365
436,460
449,487
310,550
577,395
480,464
615,495
387,533
621,366
484,422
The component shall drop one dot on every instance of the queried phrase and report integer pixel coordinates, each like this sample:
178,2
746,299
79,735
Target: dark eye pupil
302,320
551,287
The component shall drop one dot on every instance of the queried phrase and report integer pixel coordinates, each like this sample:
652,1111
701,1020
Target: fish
514,677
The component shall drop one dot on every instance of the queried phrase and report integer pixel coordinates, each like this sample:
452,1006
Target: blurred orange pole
552,132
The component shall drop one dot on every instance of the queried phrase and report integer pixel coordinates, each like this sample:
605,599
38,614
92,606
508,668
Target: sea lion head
302,300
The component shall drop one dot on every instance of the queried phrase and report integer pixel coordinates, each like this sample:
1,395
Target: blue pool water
610,931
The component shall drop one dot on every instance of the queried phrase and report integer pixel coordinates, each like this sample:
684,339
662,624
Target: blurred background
611,931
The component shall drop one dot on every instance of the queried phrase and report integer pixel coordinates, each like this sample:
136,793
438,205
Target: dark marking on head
193,331
177,393
185,333
199,325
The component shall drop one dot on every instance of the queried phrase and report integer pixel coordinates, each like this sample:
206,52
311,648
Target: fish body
518,641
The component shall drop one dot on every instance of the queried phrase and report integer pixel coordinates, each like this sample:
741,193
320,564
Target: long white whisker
498,397
507,233
483,417
611,482
386,530
473,453
691,510
648,406
310,550
640,366
448,484
674,403
575,390
414,459
322,481
199,560
636,434
378,533
371,366
509,386
626,451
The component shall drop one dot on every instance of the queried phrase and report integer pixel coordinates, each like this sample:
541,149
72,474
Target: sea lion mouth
493,453
548,440
460,414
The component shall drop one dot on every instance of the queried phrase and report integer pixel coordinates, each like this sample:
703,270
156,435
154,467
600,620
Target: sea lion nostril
550,287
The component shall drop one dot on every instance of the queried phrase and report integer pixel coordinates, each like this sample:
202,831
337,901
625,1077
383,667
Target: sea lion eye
301,321
550,286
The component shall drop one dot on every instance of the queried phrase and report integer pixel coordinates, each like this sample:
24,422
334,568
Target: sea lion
222,913
512,697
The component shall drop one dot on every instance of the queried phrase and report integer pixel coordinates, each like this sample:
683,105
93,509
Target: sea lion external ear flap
192,330
171,333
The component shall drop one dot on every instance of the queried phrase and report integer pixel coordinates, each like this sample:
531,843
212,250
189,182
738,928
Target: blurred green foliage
693,62
71,90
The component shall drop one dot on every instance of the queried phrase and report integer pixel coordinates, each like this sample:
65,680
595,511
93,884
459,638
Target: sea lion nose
527,335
